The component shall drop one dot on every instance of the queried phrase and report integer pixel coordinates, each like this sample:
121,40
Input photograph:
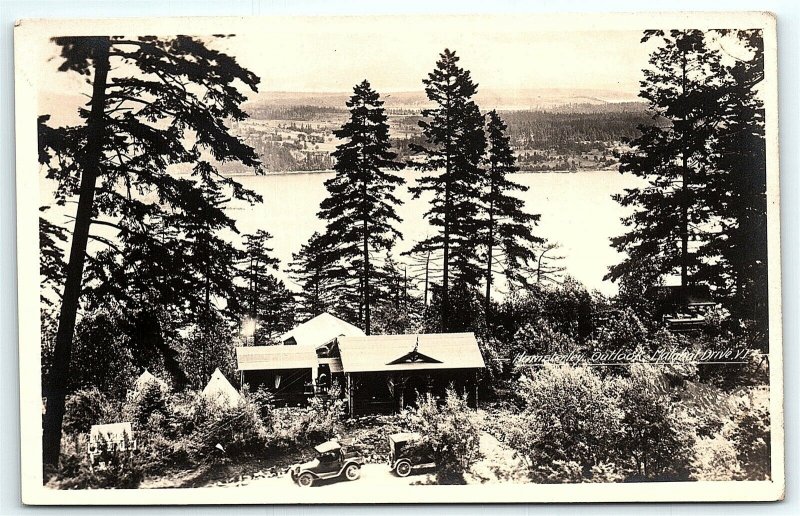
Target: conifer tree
736,191
508,226
360,207
451,159
309,270
154,103
262,297
674,156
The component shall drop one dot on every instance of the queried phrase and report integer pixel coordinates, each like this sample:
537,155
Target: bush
85,408
715,459
452,431
658,442
148,406
572,416
119,470
239,429
751,438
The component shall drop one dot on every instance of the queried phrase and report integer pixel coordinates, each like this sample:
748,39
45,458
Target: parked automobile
332,461
406,452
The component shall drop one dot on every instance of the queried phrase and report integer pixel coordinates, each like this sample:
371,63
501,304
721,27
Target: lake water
576,211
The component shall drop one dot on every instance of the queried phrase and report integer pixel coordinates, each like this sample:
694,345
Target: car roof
404,437
327,446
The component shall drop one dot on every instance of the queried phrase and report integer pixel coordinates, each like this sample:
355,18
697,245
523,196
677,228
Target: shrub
658,442
572,416
87,407
452,431
112,470
238,429
152,400
715,459
751,438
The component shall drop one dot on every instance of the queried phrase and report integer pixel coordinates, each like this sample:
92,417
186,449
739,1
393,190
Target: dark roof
410,352
275,357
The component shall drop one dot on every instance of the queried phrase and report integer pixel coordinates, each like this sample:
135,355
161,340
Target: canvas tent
220,392
145,379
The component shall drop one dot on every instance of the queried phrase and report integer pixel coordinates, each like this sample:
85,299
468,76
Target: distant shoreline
308,172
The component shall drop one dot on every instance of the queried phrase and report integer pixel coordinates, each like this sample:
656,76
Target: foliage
751,438
673,158
450,160
360,209
452,431
658,442
155,104
715,459
87,407
572,416
508,226
260,296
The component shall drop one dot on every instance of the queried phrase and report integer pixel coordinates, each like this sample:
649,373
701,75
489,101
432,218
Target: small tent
145,379
220,392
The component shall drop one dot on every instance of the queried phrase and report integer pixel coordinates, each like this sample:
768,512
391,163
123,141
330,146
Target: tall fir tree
674,155
451,162
508,226
153,103
360,209
737,188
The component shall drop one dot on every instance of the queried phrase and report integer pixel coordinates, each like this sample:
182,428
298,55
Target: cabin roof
275,357
320,330
410,352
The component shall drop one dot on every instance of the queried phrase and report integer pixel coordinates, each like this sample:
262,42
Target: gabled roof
410,352
320,330
275,357
220,392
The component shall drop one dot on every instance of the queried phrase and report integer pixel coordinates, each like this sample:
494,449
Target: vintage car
406,452
332,461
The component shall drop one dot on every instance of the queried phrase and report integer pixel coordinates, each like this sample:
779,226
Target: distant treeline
572,131
299,113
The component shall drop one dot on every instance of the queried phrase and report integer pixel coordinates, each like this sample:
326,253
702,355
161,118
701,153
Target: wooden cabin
376,373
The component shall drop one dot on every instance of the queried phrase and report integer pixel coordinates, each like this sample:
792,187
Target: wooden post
476,389
349,394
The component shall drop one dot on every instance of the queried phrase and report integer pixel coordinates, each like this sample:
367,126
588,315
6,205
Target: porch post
476,389
349,394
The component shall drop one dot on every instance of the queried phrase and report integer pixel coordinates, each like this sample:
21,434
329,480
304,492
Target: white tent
220,392
319,331
144,379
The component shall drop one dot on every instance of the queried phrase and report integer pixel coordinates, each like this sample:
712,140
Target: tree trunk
489,251
366,264
90,169
447,209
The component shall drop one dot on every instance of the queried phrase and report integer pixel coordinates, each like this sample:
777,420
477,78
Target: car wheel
403,468
352,472
305,480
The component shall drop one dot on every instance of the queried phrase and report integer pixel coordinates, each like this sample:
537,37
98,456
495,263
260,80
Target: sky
395,54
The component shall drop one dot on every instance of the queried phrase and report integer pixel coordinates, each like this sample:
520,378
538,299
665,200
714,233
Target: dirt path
371,475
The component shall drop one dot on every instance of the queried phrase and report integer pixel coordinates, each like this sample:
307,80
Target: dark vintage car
407,452
332,461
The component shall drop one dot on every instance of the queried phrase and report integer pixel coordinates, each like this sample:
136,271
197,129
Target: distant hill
507,100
